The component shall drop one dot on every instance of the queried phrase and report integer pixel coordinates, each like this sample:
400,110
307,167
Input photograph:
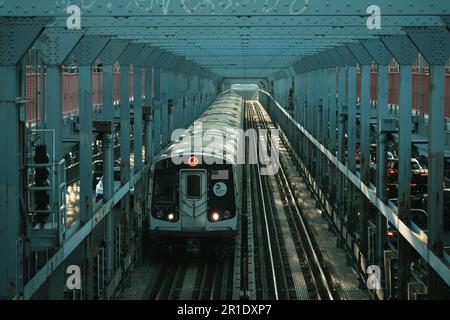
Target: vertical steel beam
86,194
351,145
85,76
342,101
325,125
382,57
140,186
42,90
125,149
108,190
332,133
366,111
197,98
54,119
326,105
382,113
108,92
166,94
352,118
137,106
188,101
436,147
10,268
179,115
108,164
148,85
297,97
157,83
319,128
405,53
404,165
148,122
157,125
306,113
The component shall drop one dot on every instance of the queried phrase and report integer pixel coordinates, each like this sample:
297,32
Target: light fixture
215,216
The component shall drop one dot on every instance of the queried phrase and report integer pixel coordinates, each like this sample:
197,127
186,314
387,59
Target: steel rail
315,257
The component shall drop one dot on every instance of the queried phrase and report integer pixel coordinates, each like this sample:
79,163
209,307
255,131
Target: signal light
193,161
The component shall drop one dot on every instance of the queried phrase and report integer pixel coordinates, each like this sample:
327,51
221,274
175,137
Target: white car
99,186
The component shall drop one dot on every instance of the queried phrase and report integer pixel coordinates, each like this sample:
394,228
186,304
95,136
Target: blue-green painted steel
11,266
342,116
197,46
382,113
157,125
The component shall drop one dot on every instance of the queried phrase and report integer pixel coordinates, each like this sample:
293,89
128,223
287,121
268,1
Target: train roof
244,87
221,121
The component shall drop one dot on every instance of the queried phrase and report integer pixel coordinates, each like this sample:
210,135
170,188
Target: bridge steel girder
84,54
405,53
403,48
282,7
12,123
314,56
364,59
54,45
108,57
427,42
382,57
127,58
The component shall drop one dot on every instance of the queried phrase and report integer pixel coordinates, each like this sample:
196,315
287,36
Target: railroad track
181,276
281,230
275,256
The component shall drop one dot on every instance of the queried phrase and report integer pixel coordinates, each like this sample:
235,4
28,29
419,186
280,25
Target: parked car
99,187
97,170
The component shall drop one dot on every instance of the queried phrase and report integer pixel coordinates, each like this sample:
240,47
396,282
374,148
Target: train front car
195,188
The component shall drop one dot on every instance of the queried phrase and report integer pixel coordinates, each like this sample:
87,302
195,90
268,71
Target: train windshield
164,188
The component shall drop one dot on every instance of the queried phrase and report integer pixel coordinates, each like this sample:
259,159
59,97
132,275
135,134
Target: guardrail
284,119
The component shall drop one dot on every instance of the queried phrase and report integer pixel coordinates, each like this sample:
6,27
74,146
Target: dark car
419,179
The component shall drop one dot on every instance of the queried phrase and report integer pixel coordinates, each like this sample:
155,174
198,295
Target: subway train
195,185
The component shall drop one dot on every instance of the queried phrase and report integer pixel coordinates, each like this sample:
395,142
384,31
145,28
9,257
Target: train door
193,199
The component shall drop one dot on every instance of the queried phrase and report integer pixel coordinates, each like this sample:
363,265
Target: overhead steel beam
282,7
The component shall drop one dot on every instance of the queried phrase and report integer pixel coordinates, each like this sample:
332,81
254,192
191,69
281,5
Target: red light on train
193,161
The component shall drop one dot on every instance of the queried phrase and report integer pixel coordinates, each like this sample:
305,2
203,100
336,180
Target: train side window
194,186
164,189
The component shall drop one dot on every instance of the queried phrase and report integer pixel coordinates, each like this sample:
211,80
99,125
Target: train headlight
171,216
215,216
